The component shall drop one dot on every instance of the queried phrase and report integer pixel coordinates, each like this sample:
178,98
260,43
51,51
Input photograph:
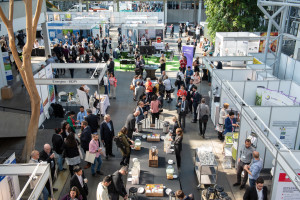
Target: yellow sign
255,61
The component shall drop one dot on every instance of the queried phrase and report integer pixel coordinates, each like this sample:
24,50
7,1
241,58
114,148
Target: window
173,5
188,5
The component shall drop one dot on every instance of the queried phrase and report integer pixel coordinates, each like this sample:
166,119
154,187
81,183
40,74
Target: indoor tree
232,16
24,66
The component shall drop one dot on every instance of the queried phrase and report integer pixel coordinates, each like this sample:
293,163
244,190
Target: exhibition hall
138,100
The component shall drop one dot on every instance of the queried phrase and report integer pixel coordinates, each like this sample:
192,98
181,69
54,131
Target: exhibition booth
45,83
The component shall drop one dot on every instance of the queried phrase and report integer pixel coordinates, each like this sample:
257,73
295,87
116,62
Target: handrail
4,108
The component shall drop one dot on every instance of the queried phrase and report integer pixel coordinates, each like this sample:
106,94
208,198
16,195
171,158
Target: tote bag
90,157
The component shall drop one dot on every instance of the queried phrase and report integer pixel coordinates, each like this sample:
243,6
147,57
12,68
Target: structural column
199,12
165,11
3,80
46,39
80,5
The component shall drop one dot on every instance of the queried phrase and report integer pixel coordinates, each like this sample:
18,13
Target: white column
166,11
46,39
199,12
80,5
3,80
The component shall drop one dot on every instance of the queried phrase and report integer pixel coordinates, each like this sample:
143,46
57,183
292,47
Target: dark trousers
71,170
108,147
190,105
195,111
148,96
154,115
162,67
181,119
114,196
202,128
129,133
187,80
72,73
183,70
240,168
178,156
179,49
180,83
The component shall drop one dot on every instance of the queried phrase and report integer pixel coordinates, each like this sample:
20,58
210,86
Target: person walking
244,159
154,108
178,145
179,45
113,86
102,189
254,168
202,116
57,143
104,44
92,120
130,123
126,142
182,110
95,148
117,187
258,192
85,138
107,133
196,97
71,152
78,180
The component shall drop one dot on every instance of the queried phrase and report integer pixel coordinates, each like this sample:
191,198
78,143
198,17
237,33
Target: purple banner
188,52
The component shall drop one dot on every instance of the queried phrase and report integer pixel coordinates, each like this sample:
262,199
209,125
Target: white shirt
181,75
105,80
80,180
102,192
260,195
167,84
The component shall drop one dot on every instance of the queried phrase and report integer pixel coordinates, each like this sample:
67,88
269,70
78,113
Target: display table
157,56
126,54
150,70
38,52
129,62
104,103
153,175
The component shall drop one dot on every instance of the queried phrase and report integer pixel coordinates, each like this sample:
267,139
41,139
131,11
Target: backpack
119,142
161,89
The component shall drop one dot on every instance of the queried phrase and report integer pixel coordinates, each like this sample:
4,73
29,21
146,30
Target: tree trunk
25,68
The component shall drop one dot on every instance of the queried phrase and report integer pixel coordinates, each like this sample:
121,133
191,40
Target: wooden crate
153,160
153,139
155,194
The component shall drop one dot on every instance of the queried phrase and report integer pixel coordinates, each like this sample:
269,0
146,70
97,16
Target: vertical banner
188,52
9,185
7,66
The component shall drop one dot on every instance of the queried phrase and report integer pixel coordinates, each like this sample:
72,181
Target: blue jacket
228,125
255,168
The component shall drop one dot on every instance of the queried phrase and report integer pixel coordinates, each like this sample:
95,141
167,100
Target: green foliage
232,16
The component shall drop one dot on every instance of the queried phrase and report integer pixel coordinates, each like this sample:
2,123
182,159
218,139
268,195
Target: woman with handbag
71,152
154,108
202,116
96,150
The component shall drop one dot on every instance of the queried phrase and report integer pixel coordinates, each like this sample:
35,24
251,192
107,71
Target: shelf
207,170
206,179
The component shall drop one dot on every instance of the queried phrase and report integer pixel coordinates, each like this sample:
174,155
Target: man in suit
78,180
130,123
111,66
258,192
138,91
47,155
107,133
182,110
92,121
189,89
85,138
141,110
104,44
117,188
196,97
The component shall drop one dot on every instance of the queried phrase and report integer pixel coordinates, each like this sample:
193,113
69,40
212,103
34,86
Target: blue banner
188,52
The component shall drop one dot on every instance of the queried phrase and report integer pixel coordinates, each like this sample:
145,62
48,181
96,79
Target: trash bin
166,126
140,127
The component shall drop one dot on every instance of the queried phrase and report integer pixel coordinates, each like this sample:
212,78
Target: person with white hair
107,133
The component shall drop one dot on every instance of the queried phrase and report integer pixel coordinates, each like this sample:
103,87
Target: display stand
205,167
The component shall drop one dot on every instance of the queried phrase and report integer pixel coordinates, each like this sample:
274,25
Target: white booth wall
260,67
289,69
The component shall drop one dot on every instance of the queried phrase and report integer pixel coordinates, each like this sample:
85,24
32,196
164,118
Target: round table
150,70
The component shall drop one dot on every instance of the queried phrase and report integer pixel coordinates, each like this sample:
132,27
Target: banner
267,97
9,185
286,190
188,52
7,66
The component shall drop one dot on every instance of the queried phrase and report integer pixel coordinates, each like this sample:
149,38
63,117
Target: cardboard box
6,92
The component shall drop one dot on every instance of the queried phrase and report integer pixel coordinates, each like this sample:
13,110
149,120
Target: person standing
102,189
92,121
117,187
189,88
85,138
81,115
162,62
113,86
154,108
95,148
126,142
182,110
71,120
180,30
138,91
179,44
130,123
196,97
179,78
197,79
71,152
107,133
110,45
48,156
111,66
172,31
149,89
176,125
183,63
189,75
230,123
244,159
194,43
166,30
168,88
254,168
258,192
196,65
142,112
203,113
104,44
78,180
223,115
178,145
57,143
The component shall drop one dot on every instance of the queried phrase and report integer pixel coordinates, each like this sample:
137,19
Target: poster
286,131
286,190
131,33
188,52
262,43
267,97
9,185
7,66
